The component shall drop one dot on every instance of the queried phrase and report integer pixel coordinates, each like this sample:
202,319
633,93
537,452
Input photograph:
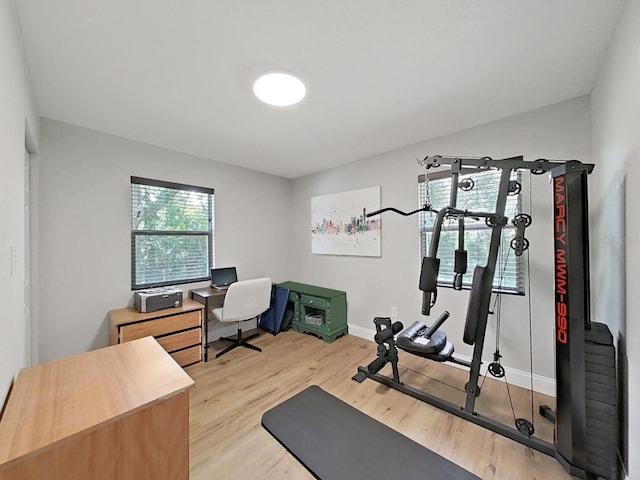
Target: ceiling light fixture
279,89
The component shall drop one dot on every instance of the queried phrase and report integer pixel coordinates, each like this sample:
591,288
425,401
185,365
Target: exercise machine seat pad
436,348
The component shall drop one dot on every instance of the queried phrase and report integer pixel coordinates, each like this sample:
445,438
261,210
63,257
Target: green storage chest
318,310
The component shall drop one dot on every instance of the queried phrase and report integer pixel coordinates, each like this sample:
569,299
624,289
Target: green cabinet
318,310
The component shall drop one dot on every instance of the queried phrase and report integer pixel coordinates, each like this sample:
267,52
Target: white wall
373,285
84,226
17,114
616,149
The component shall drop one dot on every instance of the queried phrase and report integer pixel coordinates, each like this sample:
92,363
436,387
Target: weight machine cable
530,316
498,302
431,378
528,281
506,383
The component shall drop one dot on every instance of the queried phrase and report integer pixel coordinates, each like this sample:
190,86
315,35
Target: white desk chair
245,300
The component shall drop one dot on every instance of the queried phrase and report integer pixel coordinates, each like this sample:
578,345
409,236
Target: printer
154,299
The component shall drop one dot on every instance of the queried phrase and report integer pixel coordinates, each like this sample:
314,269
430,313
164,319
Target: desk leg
205,318
206,335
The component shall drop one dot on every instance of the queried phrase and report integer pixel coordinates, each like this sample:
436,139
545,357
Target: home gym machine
586,413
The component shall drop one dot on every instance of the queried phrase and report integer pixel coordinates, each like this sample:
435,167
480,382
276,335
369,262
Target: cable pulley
524,426
519,245
466,185
523,219
486,165
496,369
495,220
471,388
514,188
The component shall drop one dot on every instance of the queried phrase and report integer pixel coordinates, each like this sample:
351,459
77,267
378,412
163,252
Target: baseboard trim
362,332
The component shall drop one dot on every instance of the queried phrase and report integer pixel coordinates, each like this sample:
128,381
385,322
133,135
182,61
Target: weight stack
601,402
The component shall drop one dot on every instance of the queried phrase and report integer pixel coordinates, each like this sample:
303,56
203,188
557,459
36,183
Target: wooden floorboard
232,393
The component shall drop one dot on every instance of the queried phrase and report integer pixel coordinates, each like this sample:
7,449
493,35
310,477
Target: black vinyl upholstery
436,348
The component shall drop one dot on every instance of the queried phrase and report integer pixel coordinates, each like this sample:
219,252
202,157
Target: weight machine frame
572,304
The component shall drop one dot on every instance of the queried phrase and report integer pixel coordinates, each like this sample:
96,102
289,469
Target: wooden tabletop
54,401
209,292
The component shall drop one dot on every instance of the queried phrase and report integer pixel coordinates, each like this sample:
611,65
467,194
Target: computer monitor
221,278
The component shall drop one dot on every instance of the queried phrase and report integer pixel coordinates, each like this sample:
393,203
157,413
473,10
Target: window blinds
172,239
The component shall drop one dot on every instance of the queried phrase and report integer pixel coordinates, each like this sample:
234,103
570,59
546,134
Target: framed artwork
339,225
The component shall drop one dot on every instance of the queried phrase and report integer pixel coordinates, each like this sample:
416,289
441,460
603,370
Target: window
172,239
509,275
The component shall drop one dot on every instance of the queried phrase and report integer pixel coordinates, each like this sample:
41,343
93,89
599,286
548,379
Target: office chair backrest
246,299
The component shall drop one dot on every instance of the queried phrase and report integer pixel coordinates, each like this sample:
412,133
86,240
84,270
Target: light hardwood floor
232,393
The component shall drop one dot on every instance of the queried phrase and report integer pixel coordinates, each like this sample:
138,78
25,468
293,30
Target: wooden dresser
178,330
117,412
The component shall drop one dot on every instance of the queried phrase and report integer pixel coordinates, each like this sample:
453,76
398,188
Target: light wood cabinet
117,412
177,330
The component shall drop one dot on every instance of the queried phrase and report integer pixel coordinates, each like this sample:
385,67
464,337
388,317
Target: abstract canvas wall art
339,225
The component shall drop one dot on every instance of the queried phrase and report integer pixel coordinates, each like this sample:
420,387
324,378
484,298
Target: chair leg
248,345
229,348
237,342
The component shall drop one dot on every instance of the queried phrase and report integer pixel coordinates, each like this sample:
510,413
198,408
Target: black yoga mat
335,441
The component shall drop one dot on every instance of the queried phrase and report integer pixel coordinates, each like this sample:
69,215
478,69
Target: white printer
154,299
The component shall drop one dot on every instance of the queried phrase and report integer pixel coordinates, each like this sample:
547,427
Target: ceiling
380,74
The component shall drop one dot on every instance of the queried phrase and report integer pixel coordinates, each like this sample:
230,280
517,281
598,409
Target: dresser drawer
177,341
160,326
188,355
314,301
